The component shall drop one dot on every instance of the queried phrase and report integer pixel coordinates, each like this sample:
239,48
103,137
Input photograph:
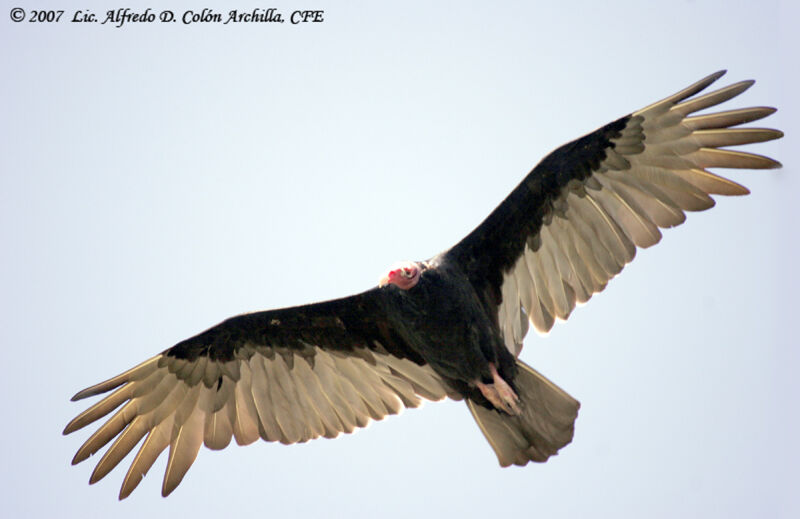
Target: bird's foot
500,394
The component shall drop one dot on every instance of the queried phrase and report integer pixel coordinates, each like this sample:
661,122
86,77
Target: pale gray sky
156,179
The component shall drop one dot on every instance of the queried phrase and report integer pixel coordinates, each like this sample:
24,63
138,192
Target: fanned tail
546,423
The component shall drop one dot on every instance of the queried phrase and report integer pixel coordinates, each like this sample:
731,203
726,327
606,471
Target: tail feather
546,423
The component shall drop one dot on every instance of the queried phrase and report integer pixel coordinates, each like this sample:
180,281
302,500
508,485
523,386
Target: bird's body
451,326
442,319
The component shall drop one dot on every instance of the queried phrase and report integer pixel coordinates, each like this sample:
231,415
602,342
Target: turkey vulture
450,326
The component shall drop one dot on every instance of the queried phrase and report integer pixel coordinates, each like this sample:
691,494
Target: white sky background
155,180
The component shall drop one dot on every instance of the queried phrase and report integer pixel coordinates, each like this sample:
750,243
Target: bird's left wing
287,375
575,221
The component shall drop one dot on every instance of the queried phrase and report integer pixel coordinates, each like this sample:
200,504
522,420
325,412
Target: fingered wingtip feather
766,162
713,78
128,488
686,93
145,368
80,395
102,387
745,85
168,487
79,457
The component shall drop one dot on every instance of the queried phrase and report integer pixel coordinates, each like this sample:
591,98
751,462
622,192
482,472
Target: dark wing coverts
577,218
288,375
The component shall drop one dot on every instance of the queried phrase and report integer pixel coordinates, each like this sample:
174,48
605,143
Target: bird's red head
404,274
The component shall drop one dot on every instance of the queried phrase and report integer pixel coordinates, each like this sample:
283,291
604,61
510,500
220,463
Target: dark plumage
450,326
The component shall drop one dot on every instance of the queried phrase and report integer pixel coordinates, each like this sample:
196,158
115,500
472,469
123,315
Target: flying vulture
450,326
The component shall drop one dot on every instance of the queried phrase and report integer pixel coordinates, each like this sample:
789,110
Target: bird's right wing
287,375
577,218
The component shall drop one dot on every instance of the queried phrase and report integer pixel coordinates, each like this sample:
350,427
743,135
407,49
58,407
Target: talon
499,393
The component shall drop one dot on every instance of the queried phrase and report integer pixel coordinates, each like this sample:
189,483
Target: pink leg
499,393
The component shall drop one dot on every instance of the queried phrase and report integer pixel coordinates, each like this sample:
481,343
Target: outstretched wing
287,375
575,221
